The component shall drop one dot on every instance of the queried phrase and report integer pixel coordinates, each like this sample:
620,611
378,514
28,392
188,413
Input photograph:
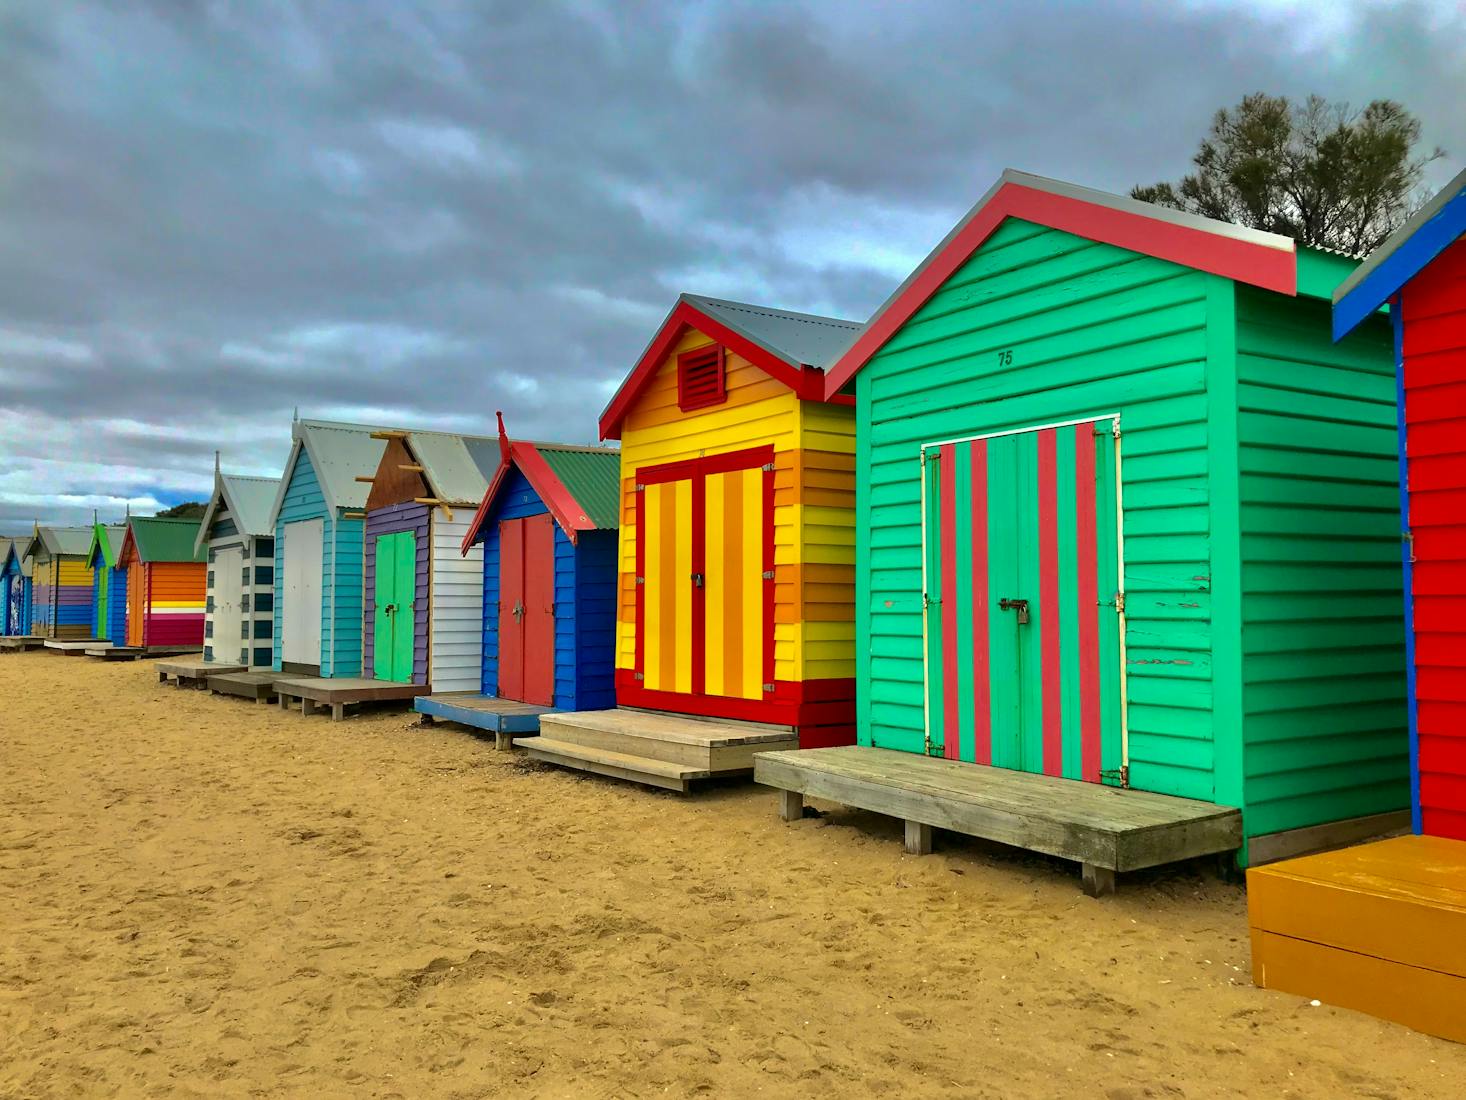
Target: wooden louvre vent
700,379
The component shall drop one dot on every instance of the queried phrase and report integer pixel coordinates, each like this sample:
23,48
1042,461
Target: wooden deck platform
259,686
72,647
338,693
19,643
110,652
1379,928
504,718
1103,829
663,750
191,670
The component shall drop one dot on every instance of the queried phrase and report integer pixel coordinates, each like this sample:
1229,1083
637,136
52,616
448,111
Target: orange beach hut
166,583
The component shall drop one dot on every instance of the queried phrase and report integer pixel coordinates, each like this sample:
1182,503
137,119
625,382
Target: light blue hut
319,519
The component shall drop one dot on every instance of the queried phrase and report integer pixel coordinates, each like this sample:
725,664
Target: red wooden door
527,610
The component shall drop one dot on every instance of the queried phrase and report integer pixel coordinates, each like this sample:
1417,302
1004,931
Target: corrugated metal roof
166,539
800,339
73,541
1456,187
457,468
249,500
592,475
339,453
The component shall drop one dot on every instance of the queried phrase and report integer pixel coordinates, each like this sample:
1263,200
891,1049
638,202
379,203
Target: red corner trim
807,382
562,505
1242,261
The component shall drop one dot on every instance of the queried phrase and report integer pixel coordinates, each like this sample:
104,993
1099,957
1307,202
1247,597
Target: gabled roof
162,539
457,468
19,550
1235,252
1405,253
339,453
248,499
581,486
57,542
109,541
794,348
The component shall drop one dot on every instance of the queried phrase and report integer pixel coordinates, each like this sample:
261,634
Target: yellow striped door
667,587
735,584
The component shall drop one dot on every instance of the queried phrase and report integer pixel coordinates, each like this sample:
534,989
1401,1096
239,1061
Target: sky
215,213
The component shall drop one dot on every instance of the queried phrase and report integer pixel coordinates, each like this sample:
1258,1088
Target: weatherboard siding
1092,330
341,566
1434,364
392,520
455,623
1322,596
595,619
175,603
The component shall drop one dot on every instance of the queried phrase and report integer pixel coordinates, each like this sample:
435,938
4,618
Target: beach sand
204,897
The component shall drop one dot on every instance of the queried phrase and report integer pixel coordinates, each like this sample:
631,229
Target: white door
228,588
300,618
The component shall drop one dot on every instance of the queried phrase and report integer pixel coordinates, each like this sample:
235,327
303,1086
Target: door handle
518,611
697,579
1020,606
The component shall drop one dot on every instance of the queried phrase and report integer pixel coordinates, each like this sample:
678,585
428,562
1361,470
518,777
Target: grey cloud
215,212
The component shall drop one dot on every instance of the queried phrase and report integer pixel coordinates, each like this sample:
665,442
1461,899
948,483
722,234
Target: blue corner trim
1400,266
1407,557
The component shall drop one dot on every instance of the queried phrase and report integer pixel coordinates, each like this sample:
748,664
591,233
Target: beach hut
422,615
165,583
238,542
109,584
544,540
15,587
61,584
1382,927
1126,524
736,548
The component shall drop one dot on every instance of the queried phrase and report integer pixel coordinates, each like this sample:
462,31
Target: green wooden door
99,610
395,588
1024,619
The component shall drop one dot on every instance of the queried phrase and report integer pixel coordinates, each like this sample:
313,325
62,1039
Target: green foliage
1314,171
189,509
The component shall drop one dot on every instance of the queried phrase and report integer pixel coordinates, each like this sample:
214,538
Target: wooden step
714,747
620,765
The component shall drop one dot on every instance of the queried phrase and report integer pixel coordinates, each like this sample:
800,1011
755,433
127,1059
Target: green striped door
1023,617
395,589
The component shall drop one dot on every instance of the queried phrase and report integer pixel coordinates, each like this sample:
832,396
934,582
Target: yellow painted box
1379,928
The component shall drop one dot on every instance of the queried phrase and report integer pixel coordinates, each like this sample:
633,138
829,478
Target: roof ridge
775,311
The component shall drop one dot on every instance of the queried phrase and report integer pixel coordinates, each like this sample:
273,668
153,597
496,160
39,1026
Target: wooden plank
1270,847
1426,1000
615,765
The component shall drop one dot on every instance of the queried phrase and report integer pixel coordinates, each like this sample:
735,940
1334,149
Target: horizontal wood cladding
391,484
1041,327
1322,602
1434,351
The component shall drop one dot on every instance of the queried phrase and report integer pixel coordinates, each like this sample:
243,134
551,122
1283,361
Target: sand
204,897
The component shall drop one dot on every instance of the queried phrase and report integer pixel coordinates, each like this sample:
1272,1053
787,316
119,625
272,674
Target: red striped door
527,610
1023,660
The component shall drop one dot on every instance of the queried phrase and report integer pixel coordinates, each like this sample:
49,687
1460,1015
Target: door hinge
641,676
1408,538
768,687
1120,602
768,574
1121,773
641,580
768,469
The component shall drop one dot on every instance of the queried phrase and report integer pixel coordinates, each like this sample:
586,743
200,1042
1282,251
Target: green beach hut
1127,516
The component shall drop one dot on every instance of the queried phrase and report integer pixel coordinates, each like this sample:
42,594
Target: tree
189,509
1314,171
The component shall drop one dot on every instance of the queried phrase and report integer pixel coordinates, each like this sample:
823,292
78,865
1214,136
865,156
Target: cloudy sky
213,212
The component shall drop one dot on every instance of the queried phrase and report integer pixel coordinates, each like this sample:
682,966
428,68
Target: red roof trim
807,382
1242,261
563,506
